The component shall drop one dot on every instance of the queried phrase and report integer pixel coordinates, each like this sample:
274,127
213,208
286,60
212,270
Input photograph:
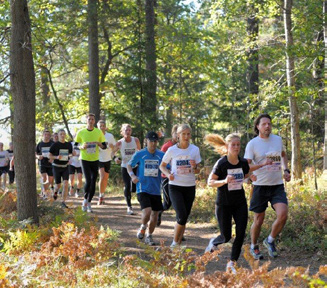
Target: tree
290,75
22,79
325,92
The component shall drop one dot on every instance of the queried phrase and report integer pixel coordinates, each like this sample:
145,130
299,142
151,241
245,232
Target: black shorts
73,170
4,170
47,170
105,165
148,200
264,194
60,172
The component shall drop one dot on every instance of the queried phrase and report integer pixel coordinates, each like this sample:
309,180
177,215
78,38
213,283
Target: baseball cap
152,136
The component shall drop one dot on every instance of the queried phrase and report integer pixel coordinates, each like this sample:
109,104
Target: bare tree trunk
151,66
94,100
325,92
23,91
290,74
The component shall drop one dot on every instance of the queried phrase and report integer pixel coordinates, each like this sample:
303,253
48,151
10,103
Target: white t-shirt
105,154
179,160
257,150
127,150
74,160
4,158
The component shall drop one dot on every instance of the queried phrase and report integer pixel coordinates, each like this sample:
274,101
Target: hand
111,146
134,179
99,144
40,157
229,178
253,177
84,146
117,160
59,157
193,164
287,176
171,177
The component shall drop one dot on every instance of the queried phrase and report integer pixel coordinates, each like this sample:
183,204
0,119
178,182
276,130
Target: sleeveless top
127,150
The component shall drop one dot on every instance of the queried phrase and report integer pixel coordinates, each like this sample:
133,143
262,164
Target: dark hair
90,115
257,121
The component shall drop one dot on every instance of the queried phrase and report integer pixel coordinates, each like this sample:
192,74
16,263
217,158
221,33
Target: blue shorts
264,194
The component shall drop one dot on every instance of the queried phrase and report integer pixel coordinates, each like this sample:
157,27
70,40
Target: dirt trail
113,214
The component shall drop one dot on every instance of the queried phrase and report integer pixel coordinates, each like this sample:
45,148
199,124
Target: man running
4,166
269,186
90,139
75,167
45,165
105,160
147,183
60,152
11,172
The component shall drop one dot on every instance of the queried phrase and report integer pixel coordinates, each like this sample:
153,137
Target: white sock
100,195
143,227
174,243
85,202
270,239
148,234
252,245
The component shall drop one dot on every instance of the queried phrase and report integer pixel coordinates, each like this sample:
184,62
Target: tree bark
290,74
325,92
150,102
94,87
22,78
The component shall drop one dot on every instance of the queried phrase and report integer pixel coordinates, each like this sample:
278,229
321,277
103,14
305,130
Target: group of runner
6,165
172,172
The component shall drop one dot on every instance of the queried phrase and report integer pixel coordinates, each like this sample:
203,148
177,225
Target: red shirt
164,148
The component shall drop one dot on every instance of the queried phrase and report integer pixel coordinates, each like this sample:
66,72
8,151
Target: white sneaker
140,233
89,209
130,211
76,194
84,208
149,240
174,245
211,247
230,267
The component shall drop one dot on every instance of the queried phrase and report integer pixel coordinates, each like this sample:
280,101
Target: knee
258,220
182,219
282,217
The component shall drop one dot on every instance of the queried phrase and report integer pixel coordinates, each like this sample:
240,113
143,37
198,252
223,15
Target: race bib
236,184
183,165
64,153
45,152
276,158
3,161
77,152
91,148
129,152
151,168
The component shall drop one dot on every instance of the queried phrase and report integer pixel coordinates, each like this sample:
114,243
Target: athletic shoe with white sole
211,247
255,252
271,248
130,211
149,240
140,233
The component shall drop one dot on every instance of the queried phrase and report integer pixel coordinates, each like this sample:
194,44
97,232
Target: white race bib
129,152
151,168
276,158
183,165
64,153
236,184
91,148
45,152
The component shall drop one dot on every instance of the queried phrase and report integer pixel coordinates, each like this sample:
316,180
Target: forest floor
113,214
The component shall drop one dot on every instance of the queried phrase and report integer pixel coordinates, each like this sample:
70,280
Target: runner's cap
152,136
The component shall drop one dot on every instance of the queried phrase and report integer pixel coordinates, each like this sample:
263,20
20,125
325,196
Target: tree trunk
22,78
325,92
94,95
151,74
290,74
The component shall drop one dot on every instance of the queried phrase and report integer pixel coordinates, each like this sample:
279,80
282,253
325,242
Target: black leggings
90,171
129,186
224,214
165,193
182,199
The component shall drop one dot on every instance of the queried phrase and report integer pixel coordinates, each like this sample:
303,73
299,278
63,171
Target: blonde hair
183,127
123,127
219,143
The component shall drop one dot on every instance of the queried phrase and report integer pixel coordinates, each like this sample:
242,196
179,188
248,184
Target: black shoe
63,205
55,195
159,219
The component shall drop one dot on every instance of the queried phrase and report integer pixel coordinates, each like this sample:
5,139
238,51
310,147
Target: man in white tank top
127,145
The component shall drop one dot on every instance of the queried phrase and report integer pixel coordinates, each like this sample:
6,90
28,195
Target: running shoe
149,240
159,218
255,252
271,248
140,233
63,205
211,247
89,209
230,267
130,211
55,195
174,245
76,194
84,208
101,201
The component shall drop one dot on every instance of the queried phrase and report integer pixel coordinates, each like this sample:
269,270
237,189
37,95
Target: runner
55,137
147,183
11,172
4,162
228,175
90,139
45,166
184,158
128,145
75,167
60,152
164,179
269,186
105,160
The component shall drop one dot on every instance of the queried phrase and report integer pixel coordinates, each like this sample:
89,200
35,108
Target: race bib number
236,184
78,152
276,158
45,152
128,154
64,153
151,168
183,165
91,148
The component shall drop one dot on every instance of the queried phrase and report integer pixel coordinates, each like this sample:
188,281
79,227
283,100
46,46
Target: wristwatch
287,170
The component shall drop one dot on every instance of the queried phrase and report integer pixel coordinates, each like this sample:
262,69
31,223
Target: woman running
183,158
128,145
228,175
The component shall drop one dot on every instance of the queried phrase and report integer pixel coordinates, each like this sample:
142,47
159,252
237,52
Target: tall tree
290,75
325,92
22,79
94,100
